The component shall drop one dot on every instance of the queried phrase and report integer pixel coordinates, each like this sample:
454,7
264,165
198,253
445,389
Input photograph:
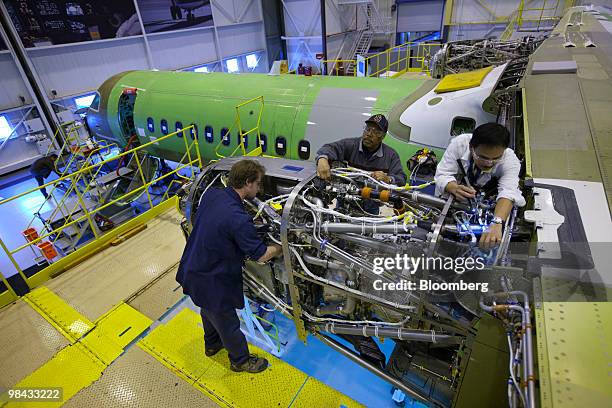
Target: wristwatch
497,220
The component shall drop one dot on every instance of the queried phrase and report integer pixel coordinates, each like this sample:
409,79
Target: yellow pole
191,129
197,144
143,178
84,207
14,262
8,287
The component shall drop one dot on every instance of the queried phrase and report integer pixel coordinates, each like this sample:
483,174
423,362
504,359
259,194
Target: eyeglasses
373,130
487,161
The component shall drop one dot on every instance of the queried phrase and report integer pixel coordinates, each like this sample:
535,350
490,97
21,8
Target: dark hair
490,134
245,171
52,155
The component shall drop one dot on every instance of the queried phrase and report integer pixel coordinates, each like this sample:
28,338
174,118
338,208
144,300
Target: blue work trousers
223,328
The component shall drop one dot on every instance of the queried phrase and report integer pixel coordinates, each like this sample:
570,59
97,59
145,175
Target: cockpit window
462,125
95,104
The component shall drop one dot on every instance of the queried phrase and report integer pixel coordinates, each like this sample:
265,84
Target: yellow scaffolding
188,161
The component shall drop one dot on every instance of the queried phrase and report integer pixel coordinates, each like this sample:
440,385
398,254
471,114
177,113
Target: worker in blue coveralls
210,270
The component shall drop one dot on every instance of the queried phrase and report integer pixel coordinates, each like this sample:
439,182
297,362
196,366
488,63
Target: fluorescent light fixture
232,65
370,98
84,101
5,128
251,61
201,69
366,114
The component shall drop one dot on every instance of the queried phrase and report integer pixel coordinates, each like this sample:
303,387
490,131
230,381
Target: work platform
116,330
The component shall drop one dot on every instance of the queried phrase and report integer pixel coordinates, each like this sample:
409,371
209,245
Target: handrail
195,160
423,50
238,124
65,172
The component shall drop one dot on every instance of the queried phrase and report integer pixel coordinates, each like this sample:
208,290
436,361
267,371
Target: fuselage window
304,149
245,140
281,146
208,134
263,142
178,126
150,125
194,131
225,136
163,125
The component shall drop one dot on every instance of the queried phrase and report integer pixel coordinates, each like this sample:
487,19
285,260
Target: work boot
253,365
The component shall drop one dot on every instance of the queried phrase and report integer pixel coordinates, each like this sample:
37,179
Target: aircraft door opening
126,113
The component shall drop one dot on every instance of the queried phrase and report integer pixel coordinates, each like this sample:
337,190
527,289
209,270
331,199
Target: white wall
71,69
303,31
471,11
228,12
239,39
11,84
175,50
75,68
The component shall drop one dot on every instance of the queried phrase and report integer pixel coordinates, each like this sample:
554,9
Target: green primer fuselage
291,105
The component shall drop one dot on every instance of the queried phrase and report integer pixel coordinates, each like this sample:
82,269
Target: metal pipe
527,344
368,242
357,359
148,52
398,333
323,262
430,200
392,228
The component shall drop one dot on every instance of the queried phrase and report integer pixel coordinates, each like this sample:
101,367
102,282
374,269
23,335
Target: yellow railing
242,133
415,58
87,164
189,161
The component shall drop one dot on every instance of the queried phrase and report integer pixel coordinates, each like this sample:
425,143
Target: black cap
380,121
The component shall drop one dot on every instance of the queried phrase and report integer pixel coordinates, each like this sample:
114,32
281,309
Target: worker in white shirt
487,161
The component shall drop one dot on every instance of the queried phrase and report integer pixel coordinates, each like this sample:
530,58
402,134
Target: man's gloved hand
381,176
323,169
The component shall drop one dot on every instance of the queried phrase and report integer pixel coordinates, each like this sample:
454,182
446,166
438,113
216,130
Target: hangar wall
69,70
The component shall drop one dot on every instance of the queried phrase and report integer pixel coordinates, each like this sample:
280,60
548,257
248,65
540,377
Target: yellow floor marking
179,345
60,314
72,369
315,394
114,331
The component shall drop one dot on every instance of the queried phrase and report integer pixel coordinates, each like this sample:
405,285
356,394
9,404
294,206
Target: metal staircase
374,24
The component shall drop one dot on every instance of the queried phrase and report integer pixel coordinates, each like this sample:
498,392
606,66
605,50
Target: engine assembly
363,259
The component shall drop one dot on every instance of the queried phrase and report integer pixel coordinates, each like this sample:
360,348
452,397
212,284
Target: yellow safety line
60,314
528,169
179,345
71,370
94,346
114,331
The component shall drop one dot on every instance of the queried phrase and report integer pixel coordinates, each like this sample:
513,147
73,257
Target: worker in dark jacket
42,168
210,270
366,152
